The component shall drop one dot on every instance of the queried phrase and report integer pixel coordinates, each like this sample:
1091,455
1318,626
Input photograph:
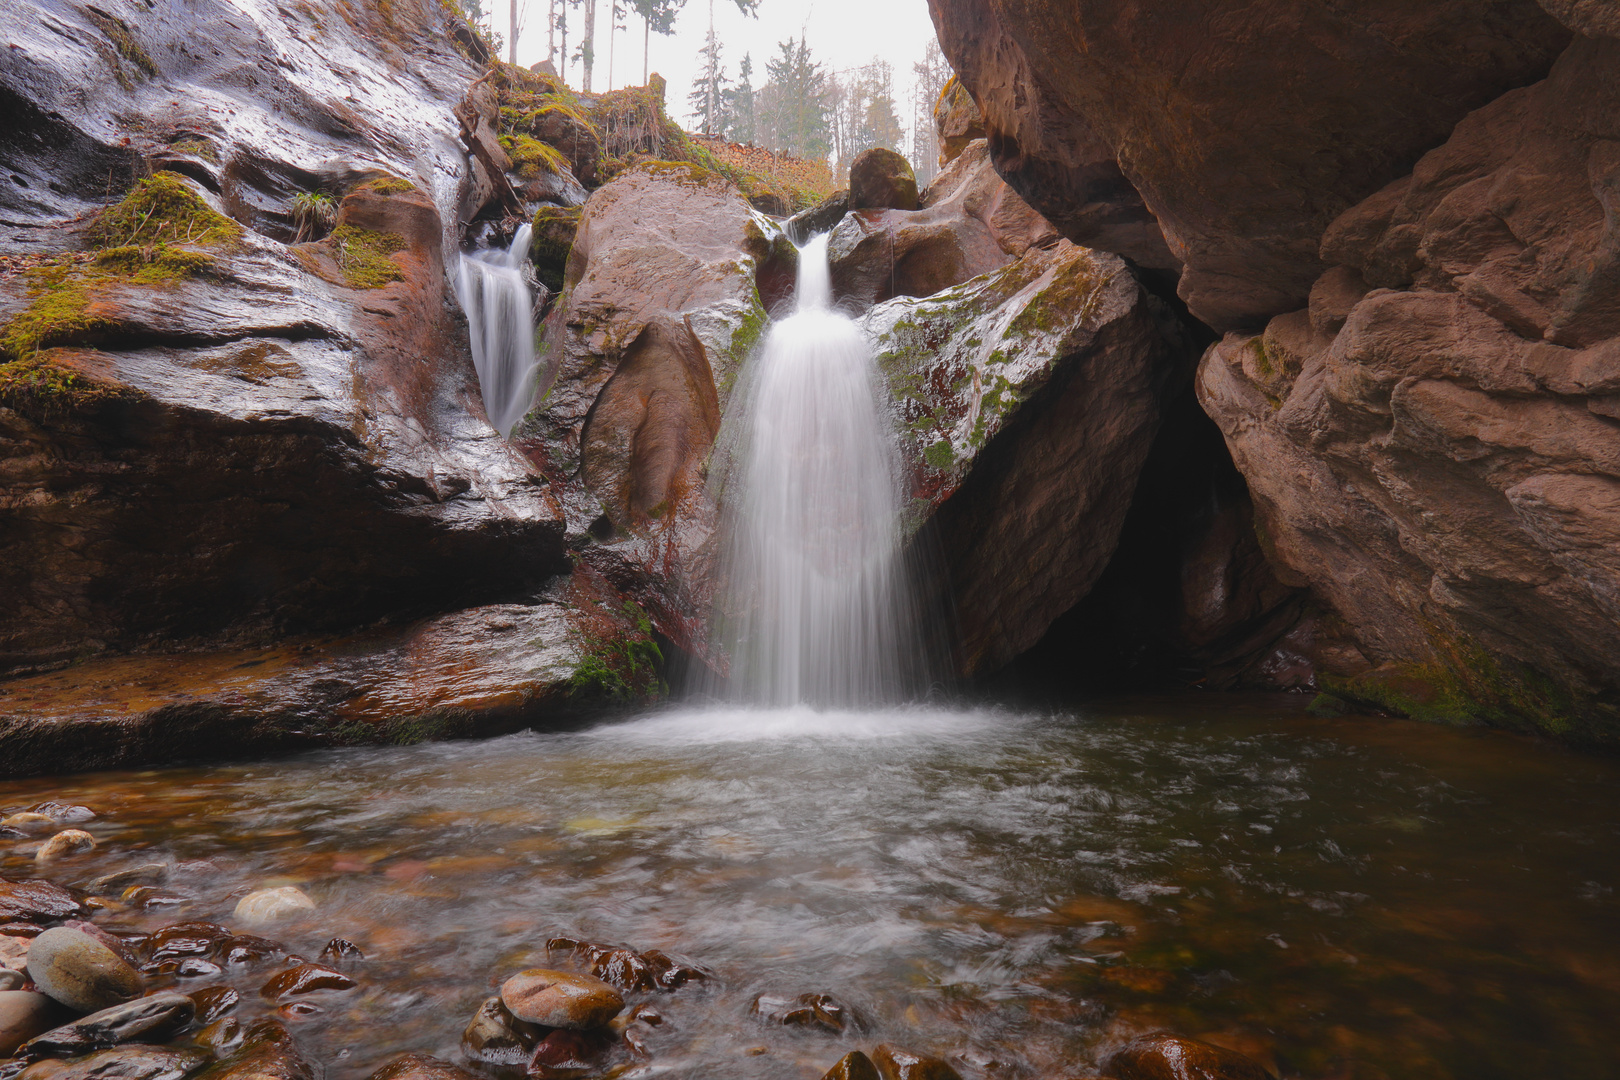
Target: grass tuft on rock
386,185
532,158
363,256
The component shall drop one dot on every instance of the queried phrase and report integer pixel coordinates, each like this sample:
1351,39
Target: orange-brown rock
880,179
971,223
1166,1057
1243,129
853,1066
957,118
421,1067
897,1063
1431,442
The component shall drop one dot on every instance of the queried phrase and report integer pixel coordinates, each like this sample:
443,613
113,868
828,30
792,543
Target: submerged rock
267,1052
65,843
123,1063
895,1063
1166,1057
560,999
269,905
822,1011
36,901
421,1067
79,971
853,1066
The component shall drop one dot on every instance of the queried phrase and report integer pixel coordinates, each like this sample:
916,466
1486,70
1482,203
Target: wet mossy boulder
880,179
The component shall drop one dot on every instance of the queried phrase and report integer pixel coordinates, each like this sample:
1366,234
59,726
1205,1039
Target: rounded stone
268,905
880,179
1167,1057
67,842
560,999
79,971
23,1015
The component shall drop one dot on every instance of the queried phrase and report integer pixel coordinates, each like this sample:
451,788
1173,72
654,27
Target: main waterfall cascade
500,321
815,605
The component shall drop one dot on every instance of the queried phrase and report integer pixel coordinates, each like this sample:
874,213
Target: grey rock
79,971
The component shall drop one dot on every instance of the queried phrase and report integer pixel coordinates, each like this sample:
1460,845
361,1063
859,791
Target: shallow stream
1353,898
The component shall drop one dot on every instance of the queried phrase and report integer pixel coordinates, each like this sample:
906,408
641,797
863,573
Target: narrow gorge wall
1417,207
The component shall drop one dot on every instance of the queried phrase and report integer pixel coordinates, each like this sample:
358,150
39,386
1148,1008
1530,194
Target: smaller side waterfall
500,322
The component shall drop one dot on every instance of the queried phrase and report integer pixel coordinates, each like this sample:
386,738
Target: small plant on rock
313,215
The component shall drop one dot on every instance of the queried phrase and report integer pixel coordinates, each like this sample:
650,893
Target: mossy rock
531,158
161,209
386,184
363,256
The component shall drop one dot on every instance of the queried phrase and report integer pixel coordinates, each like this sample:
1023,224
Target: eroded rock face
1434,442
1088,104
956,115
1028,401
971,223
244,437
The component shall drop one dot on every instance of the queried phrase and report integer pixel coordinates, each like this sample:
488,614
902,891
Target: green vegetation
363,256
196,147
162,209
386,185
532,158
313,215
623,668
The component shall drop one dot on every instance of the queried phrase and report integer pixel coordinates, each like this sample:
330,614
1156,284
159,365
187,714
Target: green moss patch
625,668
532,158
161,209
126,50
386,185
363,256
154,266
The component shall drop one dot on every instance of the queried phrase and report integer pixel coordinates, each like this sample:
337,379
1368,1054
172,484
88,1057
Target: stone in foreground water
1166,1057
894,1063
422,1067
79,971
152,1019
122,1063
23,1015
559,999
268,905
853,1066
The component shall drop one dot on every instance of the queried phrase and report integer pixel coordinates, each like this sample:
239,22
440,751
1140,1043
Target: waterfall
814,607
500,321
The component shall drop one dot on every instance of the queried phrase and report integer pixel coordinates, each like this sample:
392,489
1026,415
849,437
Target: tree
928,81
587,45
708,96
862,112
741,127
792,108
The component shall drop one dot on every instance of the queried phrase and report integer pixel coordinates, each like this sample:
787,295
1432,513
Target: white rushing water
500,322
816,608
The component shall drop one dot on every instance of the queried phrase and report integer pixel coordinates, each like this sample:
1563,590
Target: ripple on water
1330,896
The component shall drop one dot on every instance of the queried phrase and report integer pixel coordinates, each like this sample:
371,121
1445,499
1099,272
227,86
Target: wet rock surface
1167,1057
560,999
147,1019
25,1014
1242,201
80,972
123,1063
880,179
1025,441
421,1067
1430,442
897,1063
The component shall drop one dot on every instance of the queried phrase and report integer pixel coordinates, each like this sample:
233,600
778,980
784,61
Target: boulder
1028,400
487,669
79,971
971,223
496,1037
123,1063
560,999
957,119
264,906
65,843
1117,121
823,217
152,1018
25,1014
880,179
36,901
1166,1057
895,1063
1431,441
853,1066
421,1067
266,1052
241,435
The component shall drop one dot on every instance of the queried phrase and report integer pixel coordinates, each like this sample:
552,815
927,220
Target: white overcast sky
842,34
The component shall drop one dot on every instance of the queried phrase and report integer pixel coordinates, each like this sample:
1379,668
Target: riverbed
1016,892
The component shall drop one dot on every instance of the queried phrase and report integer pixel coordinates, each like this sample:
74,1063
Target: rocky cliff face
1424,222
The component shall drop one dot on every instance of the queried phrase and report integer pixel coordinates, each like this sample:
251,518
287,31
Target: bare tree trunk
563,71
646,45
708,120
613,30
511,39
587,45
551,32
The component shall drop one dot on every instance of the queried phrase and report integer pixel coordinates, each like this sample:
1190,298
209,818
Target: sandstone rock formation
970,223
1245,127
1028,399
